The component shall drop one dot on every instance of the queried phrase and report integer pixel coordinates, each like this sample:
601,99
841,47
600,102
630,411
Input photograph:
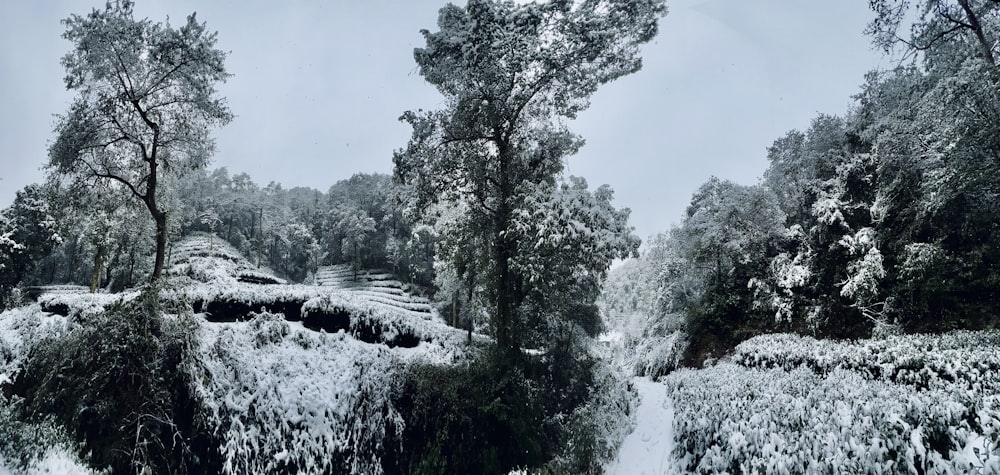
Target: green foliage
724,242
119,383
480,417
566,412
589,435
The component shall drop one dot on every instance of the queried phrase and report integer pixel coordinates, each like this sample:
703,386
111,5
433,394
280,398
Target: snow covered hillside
288,377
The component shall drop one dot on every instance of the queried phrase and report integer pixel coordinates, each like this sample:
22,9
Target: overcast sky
318,87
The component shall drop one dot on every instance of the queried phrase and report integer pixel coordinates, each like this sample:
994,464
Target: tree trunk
95,276
131,268
357,261
468,301
504,299
977,29
260,237
113,264
503,251
161,244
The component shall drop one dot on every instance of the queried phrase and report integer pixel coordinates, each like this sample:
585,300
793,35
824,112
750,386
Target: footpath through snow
646,451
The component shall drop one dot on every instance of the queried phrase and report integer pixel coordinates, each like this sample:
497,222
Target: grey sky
318,88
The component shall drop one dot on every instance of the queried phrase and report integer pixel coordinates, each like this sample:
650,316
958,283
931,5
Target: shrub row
729,418
962,359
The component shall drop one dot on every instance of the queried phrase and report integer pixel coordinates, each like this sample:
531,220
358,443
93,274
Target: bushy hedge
789,404
118,382
961,359
468,418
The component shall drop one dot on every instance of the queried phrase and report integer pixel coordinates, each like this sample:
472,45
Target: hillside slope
286,377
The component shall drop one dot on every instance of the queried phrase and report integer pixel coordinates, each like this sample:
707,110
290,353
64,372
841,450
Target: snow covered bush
20,330
30,447
962,359
595,430
35,448
116,382
280,398
657,355
744,420
80,304
792,404
647,346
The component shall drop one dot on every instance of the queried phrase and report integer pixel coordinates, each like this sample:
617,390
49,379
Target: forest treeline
884,219
83,234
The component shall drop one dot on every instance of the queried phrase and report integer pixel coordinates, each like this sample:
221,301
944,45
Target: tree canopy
145,105
509,73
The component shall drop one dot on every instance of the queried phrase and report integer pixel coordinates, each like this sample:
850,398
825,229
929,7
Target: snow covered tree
934,136
727,238
355,227
938,23
145,104
570,235
508,73
210,218
28,232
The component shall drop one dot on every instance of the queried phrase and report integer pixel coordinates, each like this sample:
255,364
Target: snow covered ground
646,451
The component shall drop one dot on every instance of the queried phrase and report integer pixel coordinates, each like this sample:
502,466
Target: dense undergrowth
120,381
485,417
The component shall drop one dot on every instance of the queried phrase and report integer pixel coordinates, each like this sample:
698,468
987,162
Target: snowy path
646,451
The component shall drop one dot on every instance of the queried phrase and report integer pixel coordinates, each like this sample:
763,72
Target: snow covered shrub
117,382
20,330
80,304
593,432
283,399
962,359
269,329
657,355
914,403
41,447
26,446
649,346
739,420
11,299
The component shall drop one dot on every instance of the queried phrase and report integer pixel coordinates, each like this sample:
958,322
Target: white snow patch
647,450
